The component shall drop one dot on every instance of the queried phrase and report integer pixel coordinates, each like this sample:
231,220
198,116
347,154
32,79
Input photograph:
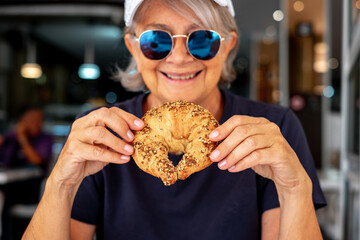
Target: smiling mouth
181,77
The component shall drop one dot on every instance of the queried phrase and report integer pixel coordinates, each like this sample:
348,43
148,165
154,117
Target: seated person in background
27,145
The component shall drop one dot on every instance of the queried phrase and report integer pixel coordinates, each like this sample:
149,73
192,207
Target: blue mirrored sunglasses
201,44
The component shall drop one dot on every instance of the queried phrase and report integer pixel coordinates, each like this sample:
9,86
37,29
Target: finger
236,137
249,145
226,128
134,122
100,135
127,123
255,158
101,153
113,118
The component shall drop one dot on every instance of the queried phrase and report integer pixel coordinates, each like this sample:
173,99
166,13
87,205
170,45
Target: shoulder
283,117
238,105
131,103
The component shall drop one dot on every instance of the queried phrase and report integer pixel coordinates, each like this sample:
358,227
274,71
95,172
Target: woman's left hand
252,142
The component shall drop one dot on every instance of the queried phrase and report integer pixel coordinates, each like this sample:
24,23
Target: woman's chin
182,97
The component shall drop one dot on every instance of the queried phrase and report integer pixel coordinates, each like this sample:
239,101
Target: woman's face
179,76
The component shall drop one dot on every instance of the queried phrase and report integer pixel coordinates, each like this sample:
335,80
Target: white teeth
183,77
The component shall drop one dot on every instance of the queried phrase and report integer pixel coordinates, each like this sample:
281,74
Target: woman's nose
179,53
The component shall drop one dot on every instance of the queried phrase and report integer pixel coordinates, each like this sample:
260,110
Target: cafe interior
301,54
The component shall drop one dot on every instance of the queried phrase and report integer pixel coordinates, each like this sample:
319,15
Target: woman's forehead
169,27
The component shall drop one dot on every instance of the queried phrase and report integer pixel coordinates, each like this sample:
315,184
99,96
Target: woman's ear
129,43
230,43
131,46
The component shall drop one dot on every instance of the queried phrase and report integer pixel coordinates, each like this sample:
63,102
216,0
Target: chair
21,214
27,210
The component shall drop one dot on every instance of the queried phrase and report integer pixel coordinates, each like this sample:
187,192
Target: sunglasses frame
173,42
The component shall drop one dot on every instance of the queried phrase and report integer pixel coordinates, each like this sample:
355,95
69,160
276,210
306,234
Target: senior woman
262,184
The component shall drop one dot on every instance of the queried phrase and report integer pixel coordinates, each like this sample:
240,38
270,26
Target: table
10,175
18,174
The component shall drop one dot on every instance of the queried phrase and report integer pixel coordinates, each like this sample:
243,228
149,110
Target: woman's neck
215,103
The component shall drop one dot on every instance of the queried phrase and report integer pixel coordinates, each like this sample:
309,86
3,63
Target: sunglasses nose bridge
180,46
180,36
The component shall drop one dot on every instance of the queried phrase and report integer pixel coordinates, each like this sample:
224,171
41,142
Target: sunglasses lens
204,44
155,45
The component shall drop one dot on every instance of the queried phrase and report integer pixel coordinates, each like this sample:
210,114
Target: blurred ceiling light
333,63
321,48
297,102
30,69
320,66
89,70
321,58
111,97
329,92
299,6
278,15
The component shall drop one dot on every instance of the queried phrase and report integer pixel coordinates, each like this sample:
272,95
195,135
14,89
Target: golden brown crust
175,127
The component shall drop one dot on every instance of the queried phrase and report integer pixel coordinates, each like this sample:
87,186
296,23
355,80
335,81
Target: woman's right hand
91,146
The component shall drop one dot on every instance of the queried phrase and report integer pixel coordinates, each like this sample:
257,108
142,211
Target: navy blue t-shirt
126,203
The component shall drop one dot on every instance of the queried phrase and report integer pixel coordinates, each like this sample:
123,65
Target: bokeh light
278,15
299,6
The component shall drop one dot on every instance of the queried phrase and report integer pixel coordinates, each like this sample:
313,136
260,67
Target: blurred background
303,54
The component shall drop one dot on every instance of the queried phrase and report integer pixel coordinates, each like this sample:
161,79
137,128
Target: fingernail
125,157
130,135
214,154
214,134
232,168
139,123
222,163
128,148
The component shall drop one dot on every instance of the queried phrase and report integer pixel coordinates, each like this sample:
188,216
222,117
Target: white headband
132,5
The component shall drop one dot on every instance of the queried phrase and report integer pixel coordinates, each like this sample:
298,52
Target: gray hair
211,15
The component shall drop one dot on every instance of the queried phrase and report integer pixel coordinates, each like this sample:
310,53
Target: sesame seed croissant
176,127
